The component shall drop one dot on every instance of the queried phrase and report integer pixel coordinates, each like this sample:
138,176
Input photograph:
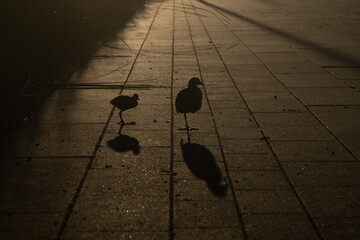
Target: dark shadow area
124,103
202,164
124,143
189,100
43,40
336,55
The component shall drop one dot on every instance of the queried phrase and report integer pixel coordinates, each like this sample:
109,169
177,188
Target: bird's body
189,100
124,103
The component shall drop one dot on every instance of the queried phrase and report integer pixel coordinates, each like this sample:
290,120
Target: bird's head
194,82
135,96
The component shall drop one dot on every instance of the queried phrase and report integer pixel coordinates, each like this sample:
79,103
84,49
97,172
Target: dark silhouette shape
202,164
124,103
189,100
124,143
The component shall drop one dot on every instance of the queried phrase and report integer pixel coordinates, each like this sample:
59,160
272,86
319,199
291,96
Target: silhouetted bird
124,103
202,164
189,99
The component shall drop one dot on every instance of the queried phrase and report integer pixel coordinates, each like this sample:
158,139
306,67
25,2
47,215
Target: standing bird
124,103
189,99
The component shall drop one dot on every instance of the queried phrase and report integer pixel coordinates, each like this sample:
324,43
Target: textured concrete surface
278,129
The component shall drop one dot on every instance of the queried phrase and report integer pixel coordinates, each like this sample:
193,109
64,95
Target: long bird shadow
202,164
124,143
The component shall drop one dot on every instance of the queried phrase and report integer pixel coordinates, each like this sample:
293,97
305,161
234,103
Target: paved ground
279,121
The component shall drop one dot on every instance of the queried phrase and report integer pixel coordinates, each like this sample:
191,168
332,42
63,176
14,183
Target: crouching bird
189,99
124,103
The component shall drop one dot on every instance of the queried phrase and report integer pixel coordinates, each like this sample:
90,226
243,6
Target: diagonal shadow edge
349,60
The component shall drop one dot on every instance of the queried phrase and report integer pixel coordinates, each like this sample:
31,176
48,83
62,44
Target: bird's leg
121,119
187,127
121,127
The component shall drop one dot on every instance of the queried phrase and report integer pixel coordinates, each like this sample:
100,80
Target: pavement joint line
238,212
77,193
307,214
341,66
171,181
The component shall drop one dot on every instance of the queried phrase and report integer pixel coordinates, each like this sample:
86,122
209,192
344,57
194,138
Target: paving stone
119,213
205,214
231,113
227,104
198,190
39,184
183,171
100,70
331,201
222,90
311,151
294,67
271,48
338,116
223,96
340,120
268,201
79,94
354,83
281,56
258,180
203,121
268,96
235,122
260,88
286,119
300,133
127,181
70,111
346,73
250,162
233,133
338,228
142,138
246,67
50,140
302,80
145,116
245,146
276,106
106,157
30,225
101,235
323,173
328,96
207,233
269,80
278,226
214,149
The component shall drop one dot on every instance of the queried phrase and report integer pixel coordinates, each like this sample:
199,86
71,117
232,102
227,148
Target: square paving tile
278,226
328,96
268,201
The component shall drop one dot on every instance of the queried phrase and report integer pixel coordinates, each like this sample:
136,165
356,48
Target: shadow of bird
202,164
124,143
124,103
189,100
